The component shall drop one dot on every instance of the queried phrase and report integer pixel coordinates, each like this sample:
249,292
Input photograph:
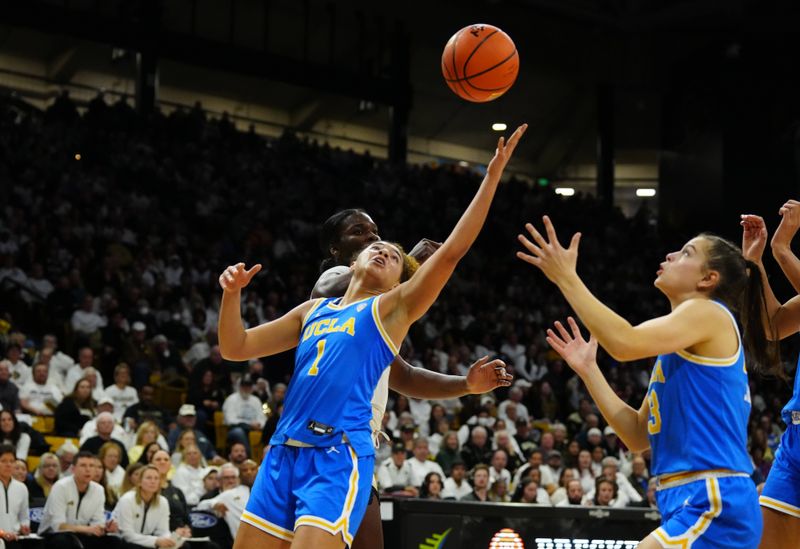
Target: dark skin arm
483,376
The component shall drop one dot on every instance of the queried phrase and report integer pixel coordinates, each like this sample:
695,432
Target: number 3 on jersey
654,425
314,370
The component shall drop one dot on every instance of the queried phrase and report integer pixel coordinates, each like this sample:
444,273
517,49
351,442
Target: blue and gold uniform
699,408
782,489
319,467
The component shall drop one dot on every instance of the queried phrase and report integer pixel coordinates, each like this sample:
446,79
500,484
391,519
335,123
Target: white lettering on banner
561,543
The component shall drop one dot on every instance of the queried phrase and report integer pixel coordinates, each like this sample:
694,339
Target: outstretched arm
409,301
236,343
483,376
690,323
581,356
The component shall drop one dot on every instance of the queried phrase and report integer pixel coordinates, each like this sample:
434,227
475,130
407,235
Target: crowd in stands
113,231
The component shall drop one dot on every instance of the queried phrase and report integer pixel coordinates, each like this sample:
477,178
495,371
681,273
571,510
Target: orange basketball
480,63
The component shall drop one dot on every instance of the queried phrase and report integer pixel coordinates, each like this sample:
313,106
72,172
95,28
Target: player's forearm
789,263
469,226
422,383
230,327
618,414
613,332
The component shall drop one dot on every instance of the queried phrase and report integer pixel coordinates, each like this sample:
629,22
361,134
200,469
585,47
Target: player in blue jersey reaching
314,484
694,417
780,497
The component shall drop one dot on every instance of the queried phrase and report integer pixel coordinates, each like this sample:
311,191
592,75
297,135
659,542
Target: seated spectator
39,396
146,434
110,455
9,392
551,470
187,420
79,371
189,474
210,483
625,493
480,484
243,413
524,436
11,433
187,438
498,470
21,471
560,493
529,492
99,476
89,429
14,517
59,363
207,397
651,493
143,513
448,452
147,454
477,449
431,487
86,322
586,473
604,494
534,462
138,354
420,464
66,525
639,477
121,393
504,441
237,454
105,426
132,476
456,486
394,474
77,408
515,395
93,376
230,503
147,410
47,474
66,457
574,494
20,372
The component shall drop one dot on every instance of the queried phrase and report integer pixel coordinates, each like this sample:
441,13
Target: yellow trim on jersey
336,307
780,506
266,526
670,480
709,361
313,308
377,318
685,540
342,523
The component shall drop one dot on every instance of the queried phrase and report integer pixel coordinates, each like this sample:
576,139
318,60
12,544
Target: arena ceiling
311,58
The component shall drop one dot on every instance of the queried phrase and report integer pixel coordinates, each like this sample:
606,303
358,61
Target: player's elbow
230,352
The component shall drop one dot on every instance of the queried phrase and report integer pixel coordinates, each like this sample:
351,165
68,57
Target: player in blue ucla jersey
780,497
314,483
695,414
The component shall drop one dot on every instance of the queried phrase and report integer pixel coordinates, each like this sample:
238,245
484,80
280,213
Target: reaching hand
234,278
754,237
484,376
555,261
790,222
424,249
581,355
504,151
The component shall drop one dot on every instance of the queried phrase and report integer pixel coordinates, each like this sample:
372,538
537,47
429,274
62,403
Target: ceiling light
463,164
499,127
565,191
645,192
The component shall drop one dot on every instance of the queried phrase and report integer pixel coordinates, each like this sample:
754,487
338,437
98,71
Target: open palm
578,353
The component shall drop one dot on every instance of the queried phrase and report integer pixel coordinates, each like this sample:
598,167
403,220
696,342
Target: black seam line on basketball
464,70
489,89
455,70
513,53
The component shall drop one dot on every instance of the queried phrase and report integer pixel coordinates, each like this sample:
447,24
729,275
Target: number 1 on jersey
320,350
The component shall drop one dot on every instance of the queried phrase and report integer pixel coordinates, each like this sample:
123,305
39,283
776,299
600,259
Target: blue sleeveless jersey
342,354
699,409
794,403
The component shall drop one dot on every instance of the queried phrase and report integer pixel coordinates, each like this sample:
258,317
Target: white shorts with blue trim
327,488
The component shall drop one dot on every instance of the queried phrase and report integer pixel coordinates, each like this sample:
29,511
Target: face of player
358,231
683,270
382,263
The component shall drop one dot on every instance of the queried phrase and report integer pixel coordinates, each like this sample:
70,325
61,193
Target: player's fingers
531,247
535,261
553,341
253,271
576,331
551,231
576,239
536,235
480,362
565,335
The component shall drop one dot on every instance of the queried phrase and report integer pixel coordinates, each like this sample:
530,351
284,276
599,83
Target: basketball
480,63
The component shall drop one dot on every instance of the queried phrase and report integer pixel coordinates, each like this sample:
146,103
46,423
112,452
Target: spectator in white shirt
535,459
85,321
121,393
79,371
515,395
143,513
11,433
498,467
514,350
110,456
40,396
20,372
456,486
189,475
574,494
560,494
14,519
230,503
394,474
89,428
59,362
75,509
420,464
551,471
243,413
529,492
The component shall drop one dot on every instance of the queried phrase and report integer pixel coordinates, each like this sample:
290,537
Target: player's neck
357,291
